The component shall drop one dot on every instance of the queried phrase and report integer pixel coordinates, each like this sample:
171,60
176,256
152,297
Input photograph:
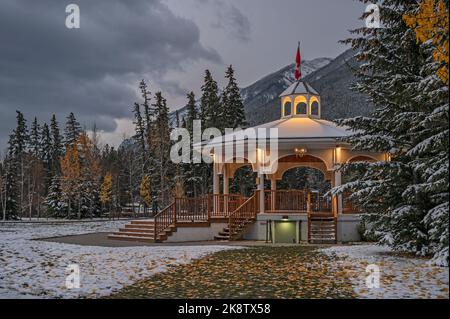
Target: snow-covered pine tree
17,150
233,106
10,187
405,200
191,171
72,130
212,113
55,206
35,138
46,152
160,148
57,149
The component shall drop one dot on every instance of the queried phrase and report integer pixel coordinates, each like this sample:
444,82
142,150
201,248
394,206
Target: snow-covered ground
400,277
37,269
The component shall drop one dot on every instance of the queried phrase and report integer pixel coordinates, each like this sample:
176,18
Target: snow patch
37,269
400,277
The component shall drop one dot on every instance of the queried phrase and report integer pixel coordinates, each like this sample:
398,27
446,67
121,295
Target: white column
273,195
216,181
338,182
226,180
261,192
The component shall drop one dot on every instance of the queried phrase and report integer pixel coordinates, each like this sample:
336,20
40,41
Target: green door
285,232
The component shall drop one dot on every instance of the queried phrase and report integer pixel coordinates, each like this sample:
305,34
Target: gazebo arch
362,158
290,161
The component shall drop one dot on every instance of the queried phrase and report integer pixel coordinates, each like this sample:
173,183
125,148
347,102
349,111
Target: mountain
332,80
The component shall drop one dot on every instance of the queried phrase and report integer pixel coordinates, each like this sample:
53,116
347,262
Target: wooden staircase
141,231
224,234
322,229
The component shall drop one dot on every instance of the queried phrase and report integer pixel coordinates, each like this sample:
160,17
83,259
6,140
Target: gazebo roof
304,127
299,87
298,128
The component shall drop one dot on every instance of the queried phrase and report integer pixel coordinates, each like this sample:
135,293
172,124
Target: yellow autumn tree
106,189
145,190
70,176
430,22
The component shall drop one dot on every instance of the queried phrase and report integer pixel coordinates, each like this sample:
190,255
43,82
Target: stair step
221,237
140,226
137,230
147,235
131,238
143,222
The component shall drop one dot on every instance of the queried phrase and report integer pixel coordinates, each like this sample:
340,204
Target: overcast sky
46,68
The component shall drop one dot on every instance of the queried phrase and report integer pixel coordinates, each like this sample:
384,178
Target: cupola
300,99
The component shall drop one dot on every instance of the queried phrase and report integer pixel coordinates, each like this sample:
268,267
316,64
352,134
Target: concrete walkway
102,240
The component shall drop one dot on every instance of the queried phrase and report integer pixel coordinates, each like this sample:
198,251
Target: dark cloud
46,68
232,20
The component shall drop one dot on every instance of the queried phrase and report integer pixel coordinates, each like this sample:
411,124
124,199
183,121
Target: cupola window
287,108
302,108
315,108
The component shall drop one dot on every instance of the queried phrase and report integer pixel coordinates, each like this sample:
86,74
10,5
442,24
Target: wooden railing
300,201
319,203
243,216
221,205
192,209
348,206
165,218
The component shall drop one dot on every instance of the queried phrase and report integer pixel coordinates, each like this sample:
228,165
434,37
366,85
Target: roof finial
298,71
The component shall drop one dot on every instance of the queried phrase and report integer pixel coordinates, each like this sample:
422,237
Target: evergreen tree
192,172
72,130
212,113
35,139
405,199
192,113
10,189
233,106
56,146
17,149
56,207
161,145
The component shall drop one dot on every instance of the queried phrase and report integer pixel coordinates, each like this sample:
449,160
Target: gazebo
302,139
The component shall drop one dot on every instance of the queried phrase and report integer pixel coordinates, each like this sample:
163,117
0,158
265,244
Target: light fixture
285,218
300,152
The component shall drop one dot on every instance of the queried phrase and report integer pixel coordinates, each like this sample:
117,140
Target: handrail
192,209
244,214
165,218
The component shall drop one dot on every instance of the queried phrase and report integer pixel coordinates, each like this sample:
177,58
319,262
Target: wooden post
308,202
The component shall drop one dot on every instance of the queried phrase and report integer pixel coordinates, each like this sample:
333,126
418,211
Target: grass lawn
254,272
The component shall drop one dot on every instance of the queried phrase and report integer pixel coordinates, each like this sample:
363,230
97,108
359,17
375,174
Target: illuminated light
285,218
300,152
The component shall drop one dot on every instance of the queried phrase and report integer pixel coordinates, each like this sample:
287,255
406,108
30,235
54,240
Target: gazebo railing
299,201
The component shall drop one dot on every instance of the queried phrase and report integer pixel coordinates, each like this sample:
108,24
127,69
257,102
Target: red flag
298,72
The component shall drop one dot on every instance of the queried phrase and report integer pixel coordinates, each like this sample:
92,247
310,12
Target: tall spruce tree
405,200
56,146
72,130
35,139
233,107
161,145
212,113
17,149
10,189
